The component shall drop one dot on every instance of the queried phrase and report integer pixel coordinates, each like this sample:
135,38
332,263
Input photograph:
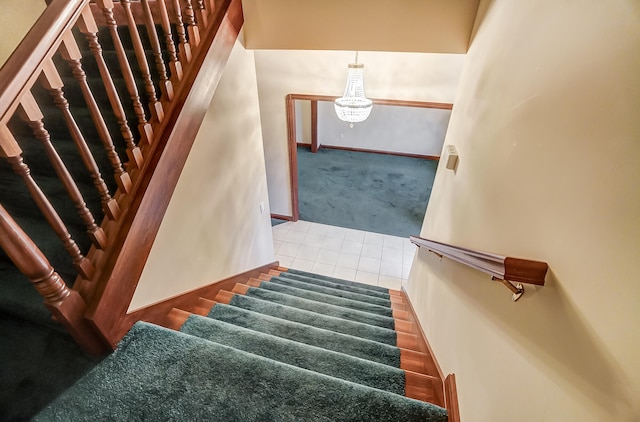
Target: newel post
66,305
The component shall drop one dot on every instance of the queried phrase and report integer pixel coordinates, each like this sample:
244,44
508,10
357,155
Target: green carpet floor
243,365
364,191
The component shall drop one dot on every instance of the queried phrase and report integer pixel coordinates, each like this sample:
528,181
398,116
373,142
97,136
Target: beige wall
401,76
428,26
546,125
213,228
16,19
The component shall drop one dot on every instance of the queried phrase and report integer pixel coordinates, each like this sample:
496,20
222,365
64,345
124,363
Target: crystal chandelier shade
353,106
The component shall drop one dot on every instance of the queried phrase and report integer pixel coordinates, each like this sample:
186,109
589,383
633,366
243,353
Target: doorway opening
376,176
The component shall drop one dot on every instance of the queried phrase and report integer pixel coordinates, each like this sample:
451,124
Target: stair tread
334,285
305,356
290,298
188,364
331,291
315,319
339,280
344,343
321,308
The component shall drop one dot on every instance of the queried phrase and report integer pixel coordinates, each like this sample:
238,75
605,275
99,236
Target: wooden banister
117,279
110,269
65,304
501,268
17,76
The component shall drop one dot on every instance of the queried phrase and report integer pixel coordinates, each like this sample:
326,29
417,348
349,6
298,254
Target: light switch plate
452,157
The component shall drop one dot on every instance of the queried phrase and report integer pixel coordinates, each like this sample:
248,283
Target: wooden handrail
21,69
501,268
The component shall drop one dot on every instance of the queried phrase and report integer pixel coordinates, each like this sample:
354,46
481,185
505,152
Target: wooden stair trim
405,326
254,282
396,299
264,277
425,347
407,341
224,296
398,306
241,288
414,361
175,319
190,301
431,364
401,314
451,398
423,387
203,307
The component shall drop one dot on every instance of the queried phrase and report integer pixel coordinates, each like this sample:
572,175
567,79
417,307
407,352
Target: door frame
292,142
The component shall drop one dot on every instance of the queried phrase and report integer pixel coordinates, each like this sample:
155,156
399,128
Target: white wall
409,130
400,76
17,18
213,229
303,121
546,125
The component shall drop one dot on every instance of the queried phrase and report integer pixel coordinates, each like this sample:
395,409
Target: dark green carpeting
244,365
365,191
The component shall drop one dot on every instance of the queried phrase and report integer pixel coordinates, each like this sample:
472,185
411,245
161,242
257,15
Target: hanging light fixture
353,106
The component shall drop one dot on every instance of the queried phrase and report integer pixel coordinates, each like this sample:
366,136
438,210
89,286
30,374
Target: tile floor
354,255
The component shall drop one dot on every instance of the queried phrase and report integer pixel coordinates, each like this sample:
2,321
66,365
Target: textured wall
16,19
409,130
213,228
546,125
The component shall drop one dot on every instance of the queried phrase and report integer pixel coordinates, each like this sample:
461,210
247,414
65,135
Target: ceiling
426,26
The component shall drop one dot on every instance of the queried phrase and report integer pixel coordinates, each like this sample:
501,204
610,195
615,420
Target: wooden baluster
192,28
87,25
66,305
145,128
201,14
165,84
53,82
174,64
154,104
71,53
12,152
30,112
185,48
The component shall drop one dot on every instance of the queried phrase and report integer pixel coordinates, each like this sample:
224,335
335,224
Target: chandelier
353,106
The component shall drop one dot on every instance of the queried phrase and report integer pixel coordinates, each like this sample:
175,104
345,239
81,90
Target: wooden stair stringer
431,366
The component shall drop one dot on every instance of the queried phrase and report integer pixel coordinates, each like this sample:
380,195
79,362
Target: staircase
288,345
87,171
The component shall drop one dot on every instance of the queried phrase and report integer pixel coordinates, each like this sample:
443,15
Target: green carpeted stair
251,359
